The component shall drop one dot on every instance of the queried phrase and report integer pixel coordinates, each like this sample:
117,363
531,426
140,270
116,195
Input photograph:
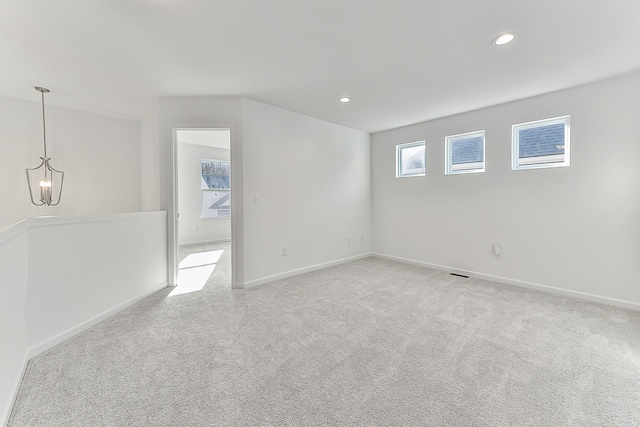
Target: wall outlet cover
497,250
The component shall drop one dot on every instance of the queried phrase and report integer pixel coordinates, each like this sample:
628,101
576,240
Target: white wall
83,267
13,324
573,228
150,162
313,182
19,129
192,228
313,178
100,157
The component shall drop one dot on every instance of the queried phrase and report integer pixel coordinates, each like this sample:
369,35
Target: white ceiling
402,61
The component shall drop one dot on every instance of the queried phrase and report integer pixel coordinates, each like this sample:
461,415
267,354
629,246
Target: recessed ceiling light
345,99
504,39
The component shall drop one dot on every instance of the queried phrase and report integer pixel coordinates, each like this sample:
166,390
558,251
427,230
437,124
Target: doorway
203,209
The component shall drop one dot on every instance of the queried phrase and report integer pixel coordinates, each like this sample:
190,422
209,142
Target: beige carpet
371,342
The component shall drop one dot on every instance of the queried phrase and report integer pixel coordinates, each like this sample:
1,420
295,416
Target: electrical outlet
285,251
256,199
197,228
361,239
497,250
348,240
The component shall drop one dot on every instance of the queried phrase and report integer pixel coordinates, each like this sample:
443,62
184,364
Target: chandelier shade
45,182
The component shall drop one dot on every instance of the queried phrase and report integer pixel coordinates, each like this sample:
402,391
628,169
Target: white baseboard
520,283
75,330
291,273
204,242
6,411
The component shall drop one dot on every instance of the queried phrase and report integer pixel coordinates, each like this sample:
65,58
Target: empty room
348,213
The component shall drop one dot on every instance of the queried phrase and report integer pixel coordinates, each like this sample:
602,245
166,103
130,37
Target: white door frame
174,207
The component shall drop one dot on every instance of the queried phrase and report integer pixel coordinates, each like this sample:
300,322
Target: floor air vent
459,275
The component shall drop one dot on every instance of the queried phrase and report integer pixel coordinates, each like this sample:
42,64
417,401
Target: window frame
448,149
399,149
221,189
516,164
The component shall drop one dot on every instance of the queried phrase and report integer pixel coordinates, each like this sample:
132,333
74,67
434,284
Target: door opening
203,209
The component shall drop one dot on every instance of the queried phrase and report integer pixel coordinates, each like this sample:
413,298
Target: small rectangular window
541,144
410,159
465,153
215,188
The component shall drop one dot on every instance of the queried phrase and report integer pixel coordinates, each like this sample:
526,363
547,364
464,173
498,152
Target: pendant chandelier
44,179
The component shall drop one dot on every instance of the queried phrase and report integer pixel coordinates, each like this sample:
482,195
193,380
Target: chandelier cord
44,127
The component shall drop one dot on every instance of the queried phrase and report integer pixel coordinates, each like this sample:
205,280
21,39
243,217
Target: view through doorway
203,201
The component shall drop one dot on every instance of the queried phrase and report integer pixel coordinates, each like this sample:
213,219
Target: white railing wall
13,322
62,275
